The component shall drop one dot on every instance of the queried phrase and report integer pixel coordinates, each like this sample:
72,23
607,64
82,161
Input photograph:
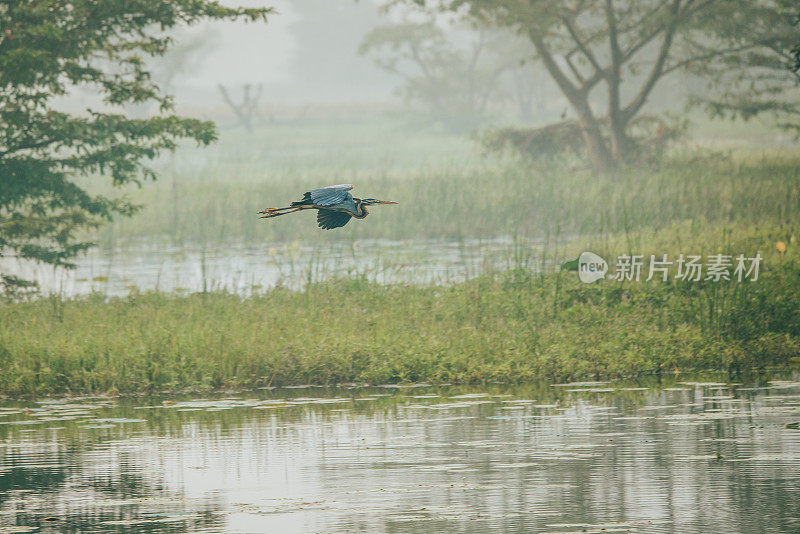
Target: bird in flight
334,204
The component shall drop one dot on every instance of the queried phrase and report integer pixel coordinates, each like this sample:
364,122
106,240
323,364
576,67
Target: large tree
47,49
627,47
456,72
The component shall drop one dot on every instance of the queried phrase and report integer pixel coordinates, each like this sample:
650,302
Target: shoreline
511,326
653,381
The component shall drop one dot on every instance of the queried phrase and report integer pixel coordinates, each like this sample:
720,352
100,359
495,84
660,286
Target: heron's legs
274,212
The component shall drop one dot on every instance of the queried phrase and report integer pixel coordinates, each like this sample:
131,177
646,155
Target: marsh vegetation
468,167
439,366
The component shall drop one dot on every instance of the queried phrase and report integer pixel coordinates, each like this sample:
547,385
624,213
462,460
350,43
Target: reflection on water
241,269
691,457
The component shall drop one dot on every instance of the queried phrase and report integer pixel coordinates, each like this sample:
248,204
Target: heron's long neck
361,211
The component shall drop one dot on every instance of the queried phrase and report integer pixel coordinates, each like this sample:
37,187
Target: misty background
329,58
398,102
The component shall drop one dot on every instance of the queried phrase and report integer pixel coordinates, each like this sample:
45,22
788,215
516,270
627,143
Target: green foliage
796,50
47,48
740,49
546,142
651,135
748,63
511,326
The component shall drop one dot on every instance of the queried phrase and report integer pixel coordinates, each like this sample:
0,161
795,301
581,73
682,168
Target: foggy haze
306,53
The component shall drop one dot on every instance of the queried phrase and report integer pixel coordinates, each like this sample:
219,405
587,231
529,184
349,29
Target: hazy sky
245,52
307,53
291,71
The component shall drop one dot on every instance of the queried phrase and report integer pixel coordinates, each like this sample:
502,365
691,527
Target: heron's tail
274,212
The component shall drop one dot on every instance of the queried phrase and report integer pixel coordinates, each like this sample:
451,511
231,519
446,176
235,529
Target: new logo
591,267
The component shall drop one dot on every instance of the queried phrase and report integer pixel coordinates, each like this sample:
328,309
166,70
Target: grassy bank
507,326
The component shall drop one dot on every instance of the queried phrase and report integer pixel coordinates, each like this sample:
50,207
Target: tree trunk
616,121
619,140
620,144
596,148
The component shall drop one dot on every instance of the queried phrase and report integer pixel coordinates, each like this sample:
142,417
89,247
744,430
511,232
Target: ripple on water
579,457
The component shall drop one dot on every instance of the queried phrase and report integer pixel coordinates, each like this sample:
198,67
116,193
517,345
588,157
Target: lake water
683,456
244,269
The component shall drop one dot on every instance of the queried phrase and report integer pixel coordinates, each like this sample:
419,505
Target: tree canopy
741,48
456,73
47,49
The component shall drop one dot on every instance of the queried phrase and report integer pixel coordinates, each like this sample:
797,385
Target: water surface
245,269
677,457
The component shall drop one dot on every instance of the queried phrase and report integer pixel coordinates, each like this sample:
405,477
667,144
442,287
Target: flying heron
334,203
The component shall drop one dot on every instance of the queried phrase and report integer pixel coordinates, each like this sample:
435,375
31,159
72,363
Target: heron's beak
386,202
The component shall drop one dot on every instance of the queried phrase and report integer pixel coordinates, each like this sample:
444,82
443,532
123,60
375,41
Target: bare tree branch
581,45
573,68
655,74
27,146
613,80
552,67
705,57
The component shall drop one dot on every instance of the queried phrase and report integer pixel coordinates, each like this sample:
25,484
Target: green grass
446,189
508,326
515,325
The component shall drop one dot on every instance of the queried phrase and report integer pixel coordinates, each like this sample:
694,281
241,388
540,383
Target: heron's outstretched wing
329,196
328,219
